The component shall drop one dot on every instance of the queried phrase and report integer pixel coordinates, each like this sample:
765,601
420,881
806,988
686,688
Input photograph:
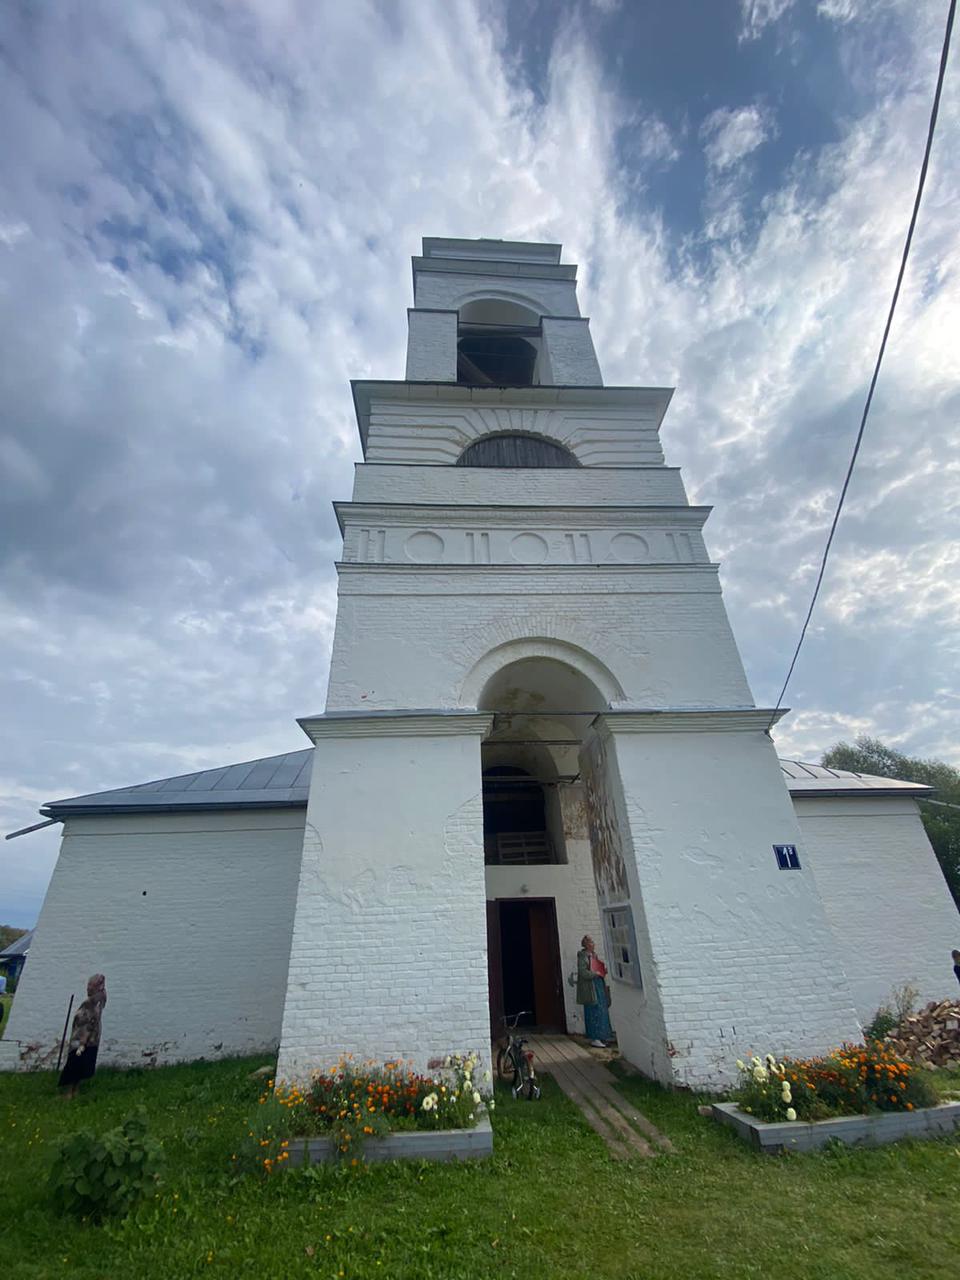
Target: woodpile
930,1037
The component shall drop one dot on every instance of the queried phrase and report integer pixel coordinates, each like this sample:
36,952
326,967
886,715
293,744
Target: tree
942,825
9,933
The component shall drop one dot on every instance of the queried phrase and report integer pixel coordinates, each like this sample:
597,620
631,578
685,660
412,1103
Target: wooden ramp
587,1082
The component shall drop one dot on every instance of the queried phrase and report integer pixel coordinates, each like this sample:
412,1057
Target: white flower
740,1065
447,1060
771,1060
760,1074
429,1102
756,1061
786,1095
486,1075
791,1114
490,1104
476,1097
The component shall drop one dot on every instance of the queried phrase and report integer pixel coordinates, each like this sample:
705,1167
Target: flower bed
368,1111
854,1080
866,1130
859,1093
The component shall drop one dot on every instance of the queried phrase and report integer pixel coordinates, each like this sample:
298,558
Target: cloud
757,15
208,232
730,134
839,10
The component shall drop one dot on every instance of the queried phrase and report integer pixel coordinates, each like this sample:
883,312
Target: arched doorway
536,845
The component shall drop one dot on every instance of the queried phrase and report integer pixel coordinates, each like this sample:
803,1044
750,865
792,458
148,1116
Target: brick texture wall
389,945
885,896
189,916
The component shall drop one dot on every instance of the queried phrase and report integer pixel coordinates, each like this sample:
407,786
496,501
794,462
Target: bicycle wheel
529,1088
505,1067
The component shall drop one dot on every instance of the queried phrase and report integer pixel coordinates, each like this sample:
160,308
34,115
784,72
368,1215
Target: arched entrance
536,842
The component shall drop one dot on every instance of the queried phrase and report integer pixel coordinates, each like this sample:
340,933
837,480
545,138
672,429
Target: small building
14,957
537,726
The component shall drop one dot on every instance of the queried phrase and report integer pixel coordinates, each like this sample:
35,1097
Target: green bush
884,1021
94,1175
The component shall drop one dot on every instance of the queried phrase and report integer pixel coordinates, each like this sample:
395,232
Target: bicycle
515,1062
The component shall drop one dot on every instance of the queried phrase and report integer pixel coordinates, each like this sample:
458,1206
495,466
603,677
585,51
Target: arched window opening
514,819
516,450
498,344
494,358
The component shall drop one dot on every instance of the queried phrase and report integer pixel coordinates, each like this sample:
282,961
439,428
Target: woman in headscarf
592,993
81,1060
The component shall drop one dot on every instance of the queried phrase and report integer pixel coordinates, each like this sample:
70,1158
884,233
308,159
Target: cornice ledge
396,724
591,570
697,720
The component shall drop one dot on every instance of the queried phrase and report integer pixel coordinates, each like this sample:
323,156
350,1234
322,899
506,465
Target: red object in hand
597,966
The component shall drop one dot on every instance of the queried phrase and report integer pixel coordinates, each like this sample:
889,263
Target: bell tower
526,601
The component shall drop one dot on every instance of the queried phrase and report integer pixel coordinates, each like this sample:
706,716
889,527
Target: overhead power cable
945,52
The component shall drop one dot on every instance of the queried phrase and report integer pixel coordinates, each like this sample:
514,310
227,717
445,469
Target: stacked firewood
930,1037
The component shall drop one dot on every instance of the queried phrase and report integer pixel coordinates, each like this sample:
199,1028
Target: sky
207,212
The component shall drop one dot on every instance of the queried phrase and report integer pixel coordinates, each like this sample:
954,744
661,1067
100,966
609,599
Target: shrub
884,1021
98,1174
267,1139
853,1080
904,999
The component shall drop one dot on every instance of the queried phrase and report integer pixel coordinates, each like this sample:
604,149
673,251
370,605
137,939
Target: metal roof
818,780
284,782
269,783
19,947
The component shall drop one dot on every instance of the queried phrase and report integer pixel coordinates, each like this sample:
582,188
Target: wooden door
547,977
495,970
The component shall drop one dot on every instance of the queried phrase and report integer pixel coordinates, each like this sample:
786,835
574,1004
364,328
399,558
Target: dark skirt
78,1066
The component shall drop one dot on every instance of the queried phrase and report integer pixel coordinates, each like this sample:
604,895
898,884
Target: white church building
537,726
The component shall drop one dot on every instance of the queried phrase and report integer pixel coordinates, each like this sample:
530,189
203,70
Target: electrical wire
883,346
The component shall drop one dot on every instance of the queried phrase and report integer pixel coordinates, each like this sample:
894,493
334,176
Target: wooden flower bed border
417,1144
873,1130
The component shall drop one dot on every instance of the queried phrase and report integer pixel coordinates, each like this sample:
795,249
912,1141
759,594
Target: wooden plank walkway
587,1083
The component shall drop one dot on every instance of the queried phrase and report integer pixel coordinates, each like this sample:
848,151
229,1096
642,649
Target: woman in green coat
592,993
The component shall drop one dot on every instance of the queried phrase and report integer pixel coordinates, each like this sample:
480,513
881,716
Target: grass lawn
550,1203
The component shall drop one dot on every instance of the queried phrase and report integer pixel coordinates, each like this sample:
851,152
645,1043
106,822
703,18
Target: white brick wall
580,486
743,958
448,291
189,916
414,642
431,346
389,944
598,436
885,896
569,359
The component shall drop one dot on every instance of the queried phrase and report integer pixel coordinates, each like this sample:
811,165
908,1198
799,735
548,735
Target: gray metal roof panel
284,781
819,780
